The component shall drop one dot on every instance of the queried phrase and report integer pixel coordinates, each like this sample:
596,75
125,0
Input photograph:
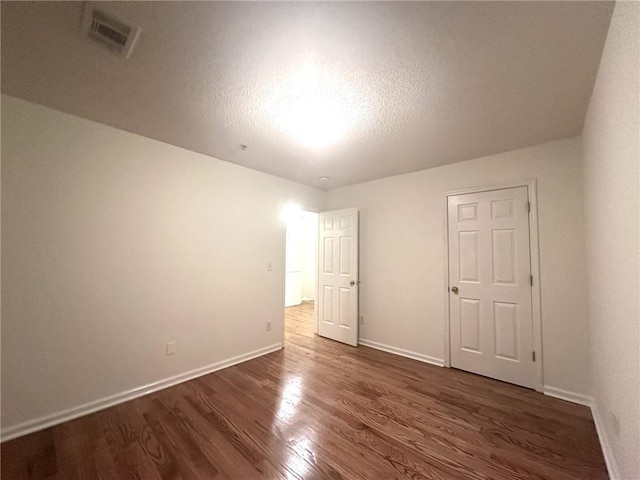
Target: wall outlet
361,320
171,348
268,326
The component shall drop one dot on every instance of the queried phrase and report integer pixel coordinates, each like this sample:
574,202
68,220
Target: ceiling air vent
111,32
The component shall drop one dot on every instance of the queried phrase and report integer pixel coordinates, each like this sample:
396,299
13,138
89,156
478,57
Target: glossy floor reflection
320,409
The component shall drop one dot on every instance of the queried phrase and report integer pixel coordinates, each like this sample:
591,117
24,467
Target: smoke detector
106,29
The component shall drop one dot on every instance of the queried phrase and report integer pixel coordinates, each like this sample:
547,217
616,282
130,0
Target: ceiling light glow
314,106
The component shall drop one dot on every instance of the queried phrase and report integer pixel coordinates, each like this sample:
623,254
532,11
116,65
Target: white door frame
534,251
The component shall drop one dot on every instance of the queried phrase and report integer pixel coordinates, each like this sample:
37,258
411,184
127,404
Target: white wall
611,182
114,244
309,255
302,238
293,262
402,255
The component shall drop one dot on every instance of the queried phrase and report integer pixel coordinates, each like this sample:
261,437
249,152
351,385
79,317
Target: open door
338,283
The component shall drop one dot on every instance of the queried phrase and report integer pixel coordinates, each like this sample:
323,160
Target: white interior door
338,283
491,329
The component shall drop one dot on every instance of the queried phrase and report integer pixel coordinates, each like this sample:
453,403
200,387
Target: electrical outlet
361,320
171,348
268,326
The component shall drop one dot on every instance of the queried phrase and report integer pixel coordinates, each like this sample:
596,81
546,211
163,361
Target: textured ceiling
412,85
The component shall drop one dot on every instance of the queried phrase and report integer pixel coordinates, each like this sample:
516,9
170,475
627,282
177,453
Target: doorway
301,253
493,284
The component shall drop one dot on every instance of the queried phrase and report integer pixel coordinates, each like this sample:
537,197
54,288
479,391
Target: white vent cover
108,30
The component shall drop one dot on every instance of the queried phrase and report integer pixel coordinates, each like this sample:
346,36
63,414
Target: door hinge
528,206
531,280
534,356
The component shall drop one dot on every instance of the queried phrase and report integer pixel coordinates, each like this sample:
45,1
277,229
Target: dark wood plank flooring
319,409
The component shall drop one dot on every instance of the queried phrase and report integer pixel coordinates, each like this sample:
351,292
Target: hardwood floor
320,409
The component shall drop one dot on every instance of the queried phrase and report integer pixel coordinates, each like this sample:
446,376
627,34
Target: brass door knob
352,283
454,290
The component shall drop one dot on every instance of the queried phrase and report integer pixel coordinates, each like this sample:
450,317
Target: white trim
64,416
447,331
283,280
536,306
536,299
567,396
403,353
607,451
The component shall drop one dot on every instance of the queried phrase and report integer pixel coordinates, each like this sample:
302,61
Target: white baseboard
597,419
614,473
404,353
568,396
64,416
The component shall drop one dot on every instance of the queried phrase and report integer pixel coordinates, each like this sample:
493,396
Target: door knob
454,290
353,282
